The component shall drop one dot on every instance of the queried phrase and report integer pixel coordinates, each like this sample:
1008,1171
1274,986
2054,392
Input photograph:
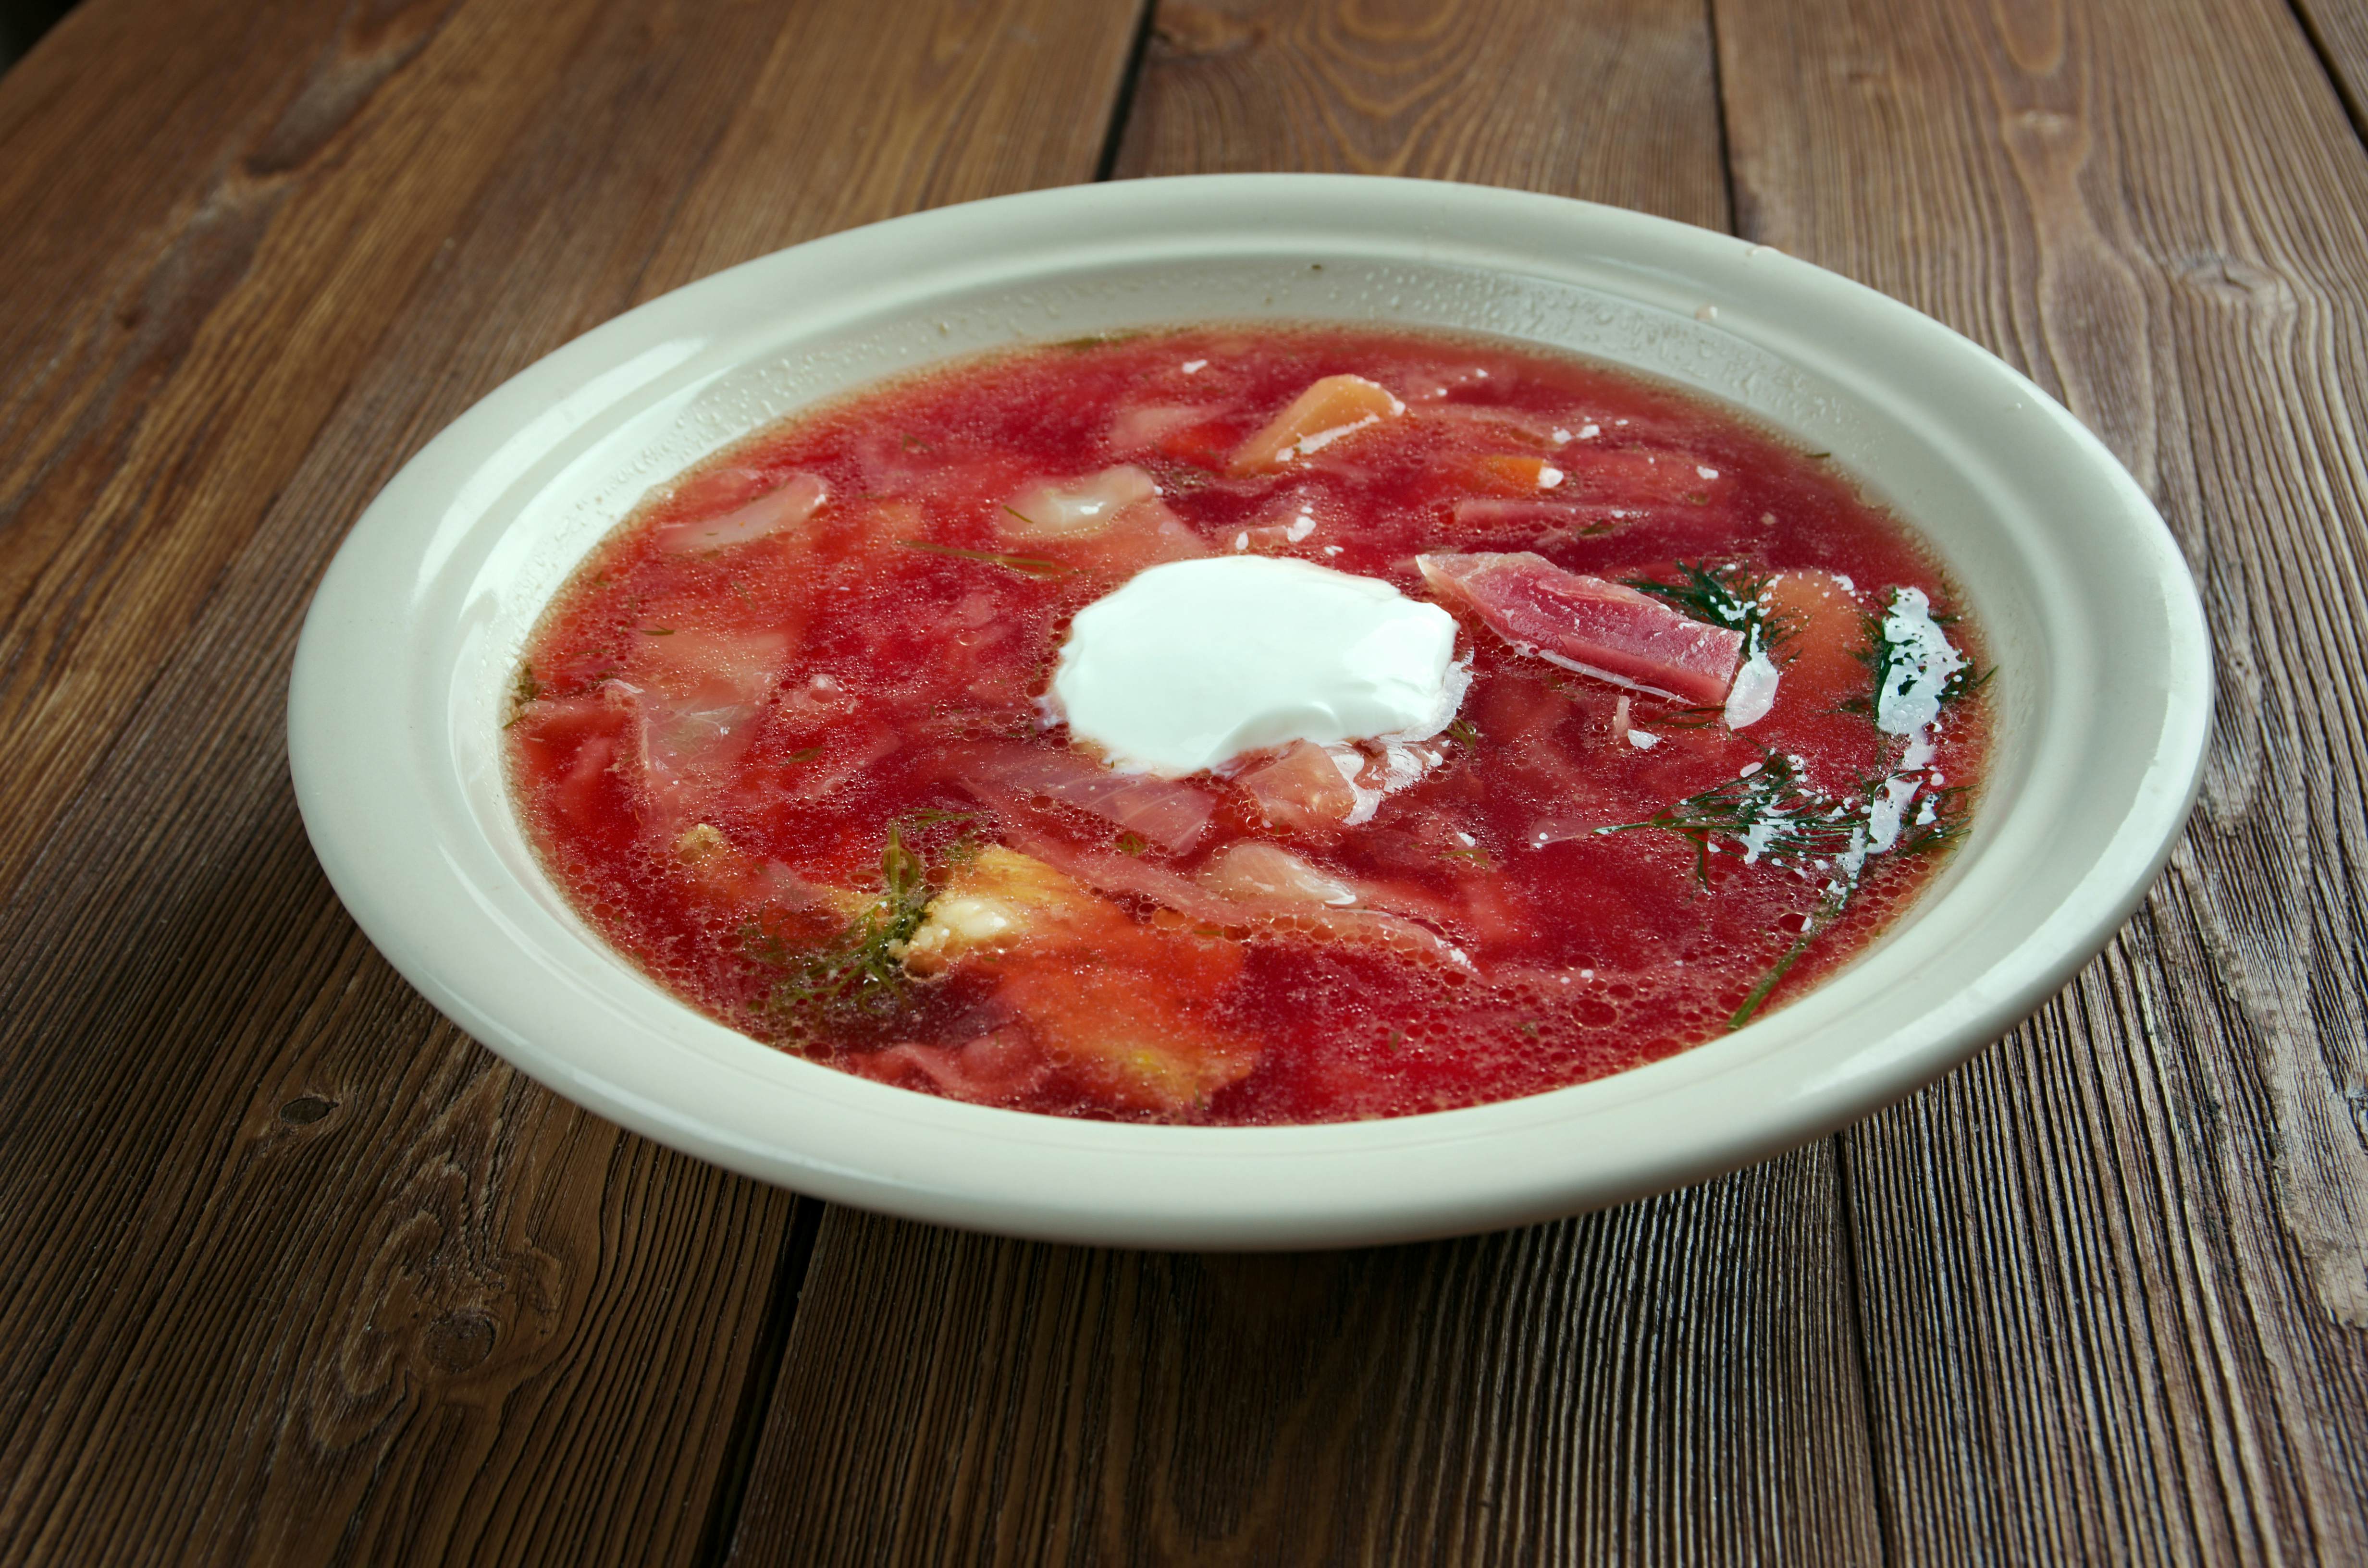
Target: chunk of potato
1133,1040
1000,899
1112,1003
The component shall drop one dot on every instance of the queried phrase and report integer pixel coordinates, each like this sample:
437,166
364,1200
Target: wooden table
294,1271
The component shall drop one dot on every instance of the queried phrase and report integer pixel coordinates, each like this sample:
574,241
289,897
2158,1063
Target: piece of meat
1588,625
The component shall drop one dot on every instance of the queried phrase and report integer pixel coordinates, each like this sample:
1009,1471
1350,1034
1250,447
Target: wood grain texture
1611,100
2339,30
1667,1383
297,1272
2115,1273
1672,1382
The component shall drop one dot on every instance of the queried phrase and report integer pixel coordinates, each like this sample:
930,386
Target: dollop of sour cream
1187,666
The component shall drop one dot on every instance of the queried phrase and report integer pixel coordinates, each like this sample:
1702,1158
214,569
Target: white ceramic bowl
2102,699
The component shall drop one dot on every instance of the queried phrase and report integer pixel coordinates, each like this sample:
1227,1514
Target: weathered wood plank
1612,101
297,1272
200,374
2115,1273
1665,1382
1672,1382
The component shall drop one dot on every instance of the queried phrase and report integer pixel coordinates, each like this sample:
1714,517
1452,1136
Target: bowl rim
378,796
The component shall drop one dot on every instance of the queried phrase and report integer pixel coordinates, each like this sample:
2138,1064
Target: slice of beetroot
1588,625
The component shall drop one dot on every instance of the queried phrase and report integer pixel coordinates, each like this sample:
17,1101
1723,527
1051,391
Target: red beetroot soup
785,738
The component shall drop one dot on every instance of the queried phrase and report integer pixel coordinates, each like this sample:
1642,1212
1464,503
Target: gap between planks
756,1401
757,1392
1845,1171
2347,91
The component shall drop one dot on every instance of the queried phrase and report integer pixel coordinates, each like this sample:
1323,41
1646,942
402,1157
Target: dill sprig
858,977
937,816
1026,565
525,690
1770,812
1696,716
1828,910
1721,596
1767,813
1093,340
1177,474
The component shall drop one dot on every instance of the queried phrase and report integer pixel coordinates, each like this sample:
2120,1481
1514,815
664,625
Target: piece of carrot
1504,475
1329,409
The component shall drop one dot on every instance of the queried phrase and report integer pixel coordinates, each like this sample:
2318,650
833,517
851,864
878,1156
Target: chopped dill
1770,812
803,754
914,444
1473,858
1723,595
1019,513
524,689
938,816
1026,565
860,976
1133,843
1177,476
1463,732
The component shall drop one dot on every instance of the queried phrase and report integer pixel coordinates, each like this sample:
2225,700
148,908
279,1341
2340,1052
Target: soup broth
789,738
